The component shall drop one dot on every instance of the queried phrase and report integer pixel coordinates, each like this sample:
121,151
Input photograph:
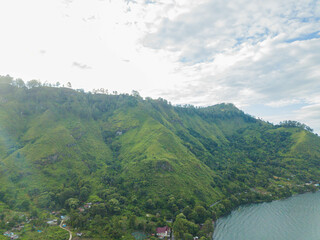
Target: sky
263,56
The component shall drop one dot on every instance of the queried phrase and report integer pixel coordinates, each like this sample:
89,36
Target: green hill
61,148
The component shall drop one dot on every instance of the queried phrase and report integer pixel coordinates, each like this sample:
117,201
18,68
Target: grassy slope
53,148
162,150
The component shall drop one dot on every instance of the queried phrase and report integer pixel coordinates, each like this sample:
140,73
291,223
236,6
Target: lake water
296,218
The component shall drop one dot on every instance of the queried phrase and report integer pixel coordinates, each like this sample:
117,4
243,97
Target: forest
120,165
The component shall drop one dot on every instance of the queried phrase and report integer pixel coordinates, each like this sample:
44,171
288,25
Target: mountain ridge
61,148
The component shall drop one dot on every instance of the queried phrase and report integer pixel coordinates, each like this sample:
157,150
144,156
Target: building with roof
163,232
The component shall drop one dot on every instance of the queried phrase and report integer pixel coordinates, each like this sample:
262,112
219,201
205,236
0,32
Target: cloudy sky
263,56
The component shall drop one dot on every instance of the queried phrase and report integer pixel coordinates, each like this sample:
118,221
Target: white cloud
310,115
96,35
80,65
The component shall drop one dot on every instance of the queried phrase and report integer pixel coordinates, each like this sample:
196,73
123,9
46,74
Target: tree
207,228
6,80
182,226
201,214
72,203
135,93
181,215
84,193
149,204
33,83
44,200
98,209
69,84
34,212
6,84
19,83
187,236
113,205
133,221
187,211
24,206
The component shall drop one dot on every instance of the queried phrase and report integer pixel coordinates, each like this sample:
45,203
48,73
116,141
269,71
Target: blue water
296,218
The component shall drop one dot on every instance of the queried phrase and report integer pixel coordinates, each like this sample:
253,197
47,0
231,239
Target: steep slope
51,148
61,148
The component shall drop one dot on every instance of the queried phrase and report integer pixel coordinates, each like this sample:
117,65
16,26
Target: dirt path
215,203
70,238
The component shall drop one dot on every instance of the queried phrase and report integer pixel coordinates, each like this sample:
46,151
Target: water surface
296,218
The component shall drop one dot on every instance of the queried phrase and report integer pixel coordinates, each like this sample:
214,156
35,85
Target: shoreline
257,203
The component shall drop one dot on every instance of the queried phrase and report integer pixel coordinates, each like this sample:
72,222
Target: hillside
128,156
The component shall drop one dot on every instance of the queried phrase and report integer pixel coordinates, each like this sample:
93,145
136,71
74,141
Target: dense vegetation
142,163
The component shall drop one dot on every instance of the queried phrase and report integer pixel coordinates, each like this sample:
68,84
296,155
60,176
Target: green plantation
118,164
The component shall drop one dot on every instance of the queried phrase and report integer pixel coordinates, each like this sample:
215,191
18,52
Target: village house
53,222
81,209
163,232
11,235
87,205
64,218
18,228
119,133
55,213
8,234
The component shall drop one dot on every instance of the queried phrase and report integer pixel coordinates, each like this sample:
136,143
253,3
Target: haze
263,56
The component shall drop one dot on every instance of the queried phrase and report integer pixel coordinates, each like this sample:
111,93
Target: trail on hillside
70,238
